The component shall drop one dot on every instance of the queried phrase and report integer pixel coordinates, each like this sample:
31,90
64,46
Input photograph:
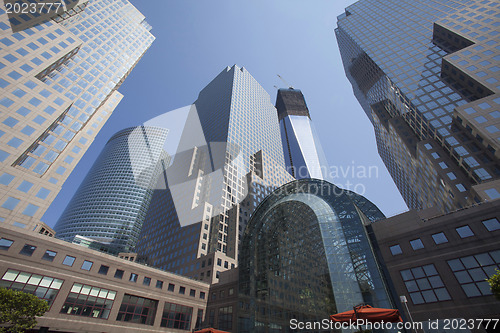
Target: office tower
304,156
426,74
306,255
58,86
111,203
229,157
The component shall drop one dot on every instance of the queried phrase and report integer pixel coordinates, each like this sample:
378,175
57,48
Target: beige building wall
85,270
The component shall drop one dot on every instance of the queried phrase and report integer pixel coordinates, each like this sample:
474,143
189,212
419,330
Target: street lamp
405,302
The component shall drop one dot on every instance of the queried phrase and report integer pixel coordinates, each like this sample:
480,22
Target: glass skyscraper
110,205
304,156
229,157
306,255
58,86
426,73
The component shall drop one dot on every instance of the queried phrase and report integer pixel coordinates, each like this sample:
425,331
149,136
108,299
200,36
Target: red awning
366,312
210,330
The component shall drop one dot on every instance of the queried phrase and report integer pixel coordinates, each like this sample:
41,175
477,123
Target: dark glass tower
228,159
304,156
426,74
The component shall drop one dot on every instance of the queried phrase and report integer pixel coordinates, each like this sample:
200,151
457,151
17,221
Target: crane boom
286,83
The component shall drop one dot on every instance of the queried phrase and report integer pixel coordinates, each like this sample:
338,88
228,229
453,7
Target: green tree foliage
494,282
18,310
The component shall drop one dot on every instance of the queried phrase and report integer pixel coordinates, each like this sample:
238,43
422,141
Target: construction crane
286,83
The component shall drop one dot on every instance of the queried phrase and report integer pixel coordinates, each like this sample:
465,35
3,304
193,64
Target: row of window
440,237
90,301
222,293
219,263
87,265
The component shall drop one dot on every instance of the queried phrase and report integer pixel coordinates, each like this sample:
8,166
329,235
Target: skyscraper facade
426,74
111,203
304,156
58,86
229,157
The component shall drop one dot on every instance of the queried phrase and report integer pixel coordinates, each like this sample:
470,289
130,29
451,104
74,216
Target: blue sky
195,40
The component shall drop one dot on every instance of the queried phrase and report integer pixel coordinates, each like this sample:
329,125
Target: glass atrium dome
306,255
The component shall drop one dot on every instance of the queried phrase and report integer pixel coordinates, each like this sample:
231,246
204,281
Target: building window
395,249
5,244
43,287
192,293
103,270
424,285
133,277
137,310
27,250
226,318
491,224
146,281
49,255
88,301
68,261
159,284
231,291
440,238
182,290
464,231
87,265
199,319
202,295
119,274
171,287
176,316
417,244
211,318
472,271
